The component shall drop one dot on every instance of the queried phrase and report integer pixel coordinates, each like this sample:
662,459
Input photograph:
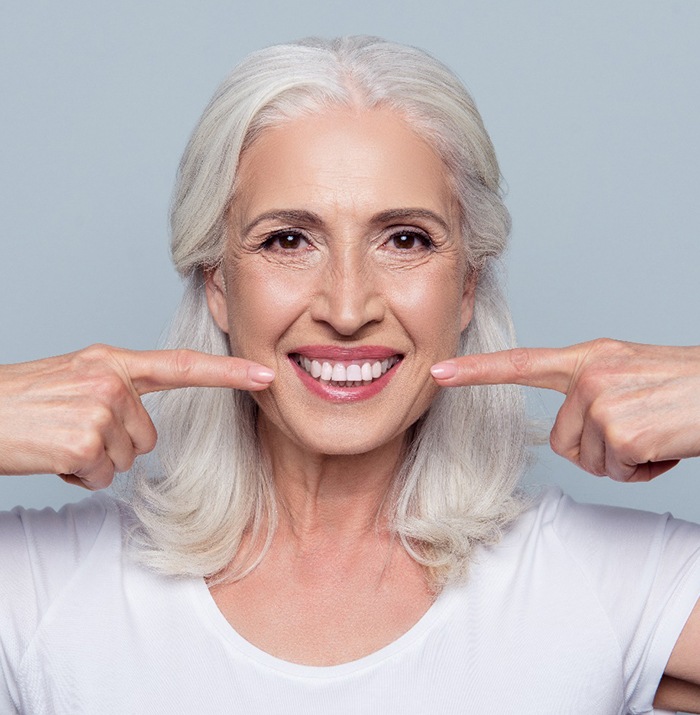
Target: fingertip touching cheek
346,273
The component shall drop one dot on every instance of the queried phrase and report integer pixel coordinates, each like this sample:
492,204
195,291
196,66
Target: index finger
156,370
551,368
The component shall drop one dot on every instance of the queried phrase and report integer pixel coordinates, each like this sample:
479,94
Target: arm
80,415
684,665
631,412
674,694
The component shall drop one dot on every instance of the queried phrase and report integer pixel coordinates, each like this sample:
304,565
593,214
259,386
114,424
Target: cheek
431,306
262,304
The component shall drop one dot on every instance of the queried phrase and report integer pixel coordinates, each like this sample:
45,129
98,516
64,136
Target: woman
338,534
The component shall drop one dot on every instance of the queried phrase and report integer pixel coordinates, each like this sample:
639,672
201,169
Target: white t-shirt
576,610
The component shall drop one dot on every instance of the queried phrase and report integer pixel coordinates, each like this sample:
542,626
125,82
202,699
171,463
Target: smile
345,373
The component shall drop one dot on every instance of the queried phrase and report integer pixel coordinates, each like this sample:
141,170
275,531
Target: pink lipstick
343,374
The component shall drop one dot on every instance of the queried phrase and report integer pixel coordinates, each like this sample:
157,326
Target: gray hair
207,485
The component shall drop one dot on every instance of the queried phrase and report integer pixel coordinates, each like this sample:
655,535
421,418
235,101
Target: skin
352,275
80,415
346,283
629,407
631,411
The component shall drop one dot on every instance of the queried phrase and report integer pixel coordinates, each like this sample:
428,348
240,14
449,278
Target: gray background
593,108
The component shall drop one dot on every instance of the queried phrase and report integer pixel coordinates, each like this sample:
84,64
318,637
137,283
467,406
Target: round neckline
210,612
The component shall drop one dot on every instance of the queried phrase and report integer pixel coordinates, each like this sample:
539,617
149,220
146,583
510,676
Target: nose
348,298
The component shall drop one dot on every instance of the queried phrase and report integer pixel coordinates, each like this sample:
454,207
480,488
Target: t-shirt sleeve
644,569
40,551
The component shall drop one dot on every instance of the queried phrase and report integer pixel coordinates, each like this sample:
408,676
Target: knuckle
571,453
102,481
607,348
125,462
619,472
557,444
148,440
612,355
627,448
601,413
184,362
604,344
603,361
110,388
100,418
619,440
99,373
594,467
98,352
85,450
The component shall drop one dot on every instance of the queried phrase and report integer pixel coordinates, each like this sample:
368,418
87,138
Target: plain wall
593,108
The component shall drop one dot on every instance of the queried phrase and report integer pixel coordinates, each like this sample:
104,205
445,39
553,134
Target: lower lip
335,393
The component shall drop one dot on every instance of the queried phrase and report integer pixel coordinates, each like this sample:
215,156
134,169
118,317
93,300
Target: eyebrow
294,216
309,218
409,213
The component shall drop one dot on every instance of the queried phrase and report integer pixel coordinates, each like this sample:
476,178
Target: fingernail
260,374
443,370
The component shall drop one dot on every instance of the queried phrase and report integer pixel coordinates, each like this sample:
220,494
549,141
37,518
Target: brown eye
286,240
407,240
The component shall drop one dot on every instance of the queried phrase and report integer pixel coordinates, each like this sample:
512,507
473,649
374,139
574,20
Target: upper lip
333,352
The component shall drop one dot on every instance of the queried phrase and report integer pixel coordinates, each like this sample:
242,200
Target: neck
338,496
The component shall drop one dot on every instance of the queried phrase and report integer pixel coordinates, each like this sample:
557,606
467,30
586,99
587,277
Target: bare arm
674,694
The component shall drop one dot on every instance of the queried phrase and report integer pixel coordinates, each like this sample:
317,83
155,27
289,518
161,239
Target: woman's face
344,258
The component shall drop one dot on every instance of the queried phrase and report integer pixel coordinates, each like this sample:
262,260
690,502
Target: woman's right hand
80,415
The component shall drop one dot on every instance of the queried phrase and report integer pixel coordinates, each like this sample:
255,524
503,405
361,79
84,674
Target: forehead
359,160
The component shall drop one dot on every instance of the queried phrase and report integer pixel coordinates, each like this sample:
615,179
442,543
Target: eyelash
269,243
420,236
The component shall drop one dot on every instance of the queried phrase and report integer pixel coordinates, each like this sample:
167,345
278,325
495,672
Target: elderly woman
338,534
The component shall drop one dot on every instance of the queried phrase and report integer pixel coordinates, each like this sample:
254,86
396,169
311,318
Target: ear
215,287
468,296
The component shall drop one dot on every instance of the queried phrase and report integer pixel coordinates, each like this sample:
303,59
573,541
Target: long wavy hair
207,489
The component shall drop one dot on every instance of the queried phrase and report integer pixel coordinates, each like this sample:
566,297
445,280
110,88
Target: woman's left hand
631,411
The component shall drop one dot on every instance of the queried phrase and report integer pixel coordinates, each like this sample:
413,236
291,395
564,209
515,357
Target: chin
347,444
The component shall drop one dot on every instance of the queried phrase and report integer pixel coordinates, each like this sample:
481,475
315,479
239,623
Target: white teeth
352,375
338,374
326,371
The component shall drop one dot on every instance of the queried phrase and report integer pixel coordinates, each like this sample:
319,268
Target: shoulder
76,525
599,528
606,540
614,554
42,549
641,568
44,555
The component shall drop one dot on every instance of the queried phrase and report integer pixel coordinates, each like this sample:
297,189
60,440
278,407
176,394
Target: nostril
347,306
